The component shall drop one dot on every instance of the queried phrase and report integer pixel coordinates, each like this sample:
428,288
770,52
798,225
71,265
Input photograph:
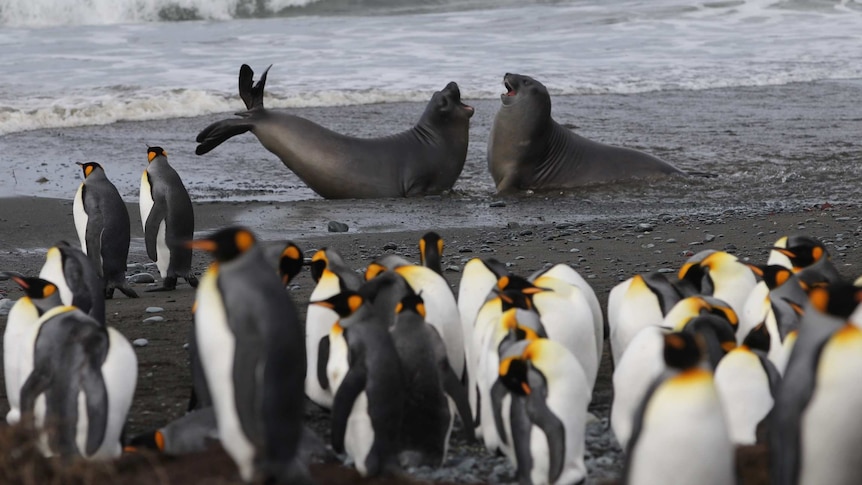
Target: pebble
497,203
154,309
141,278
155,319
645,226
141,342
709,238
390,245
453,269
665,270
335,226
6,305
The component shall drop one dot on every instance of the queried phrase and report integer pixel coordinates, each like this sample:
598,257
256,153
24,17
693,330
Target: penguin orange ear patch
819,299
420,309
291,252
160,440
354,302
244,240
373,270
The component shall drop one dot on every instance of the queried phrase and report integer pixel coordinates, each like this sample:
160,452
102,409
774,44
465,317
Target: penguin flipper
322,359
498,391
456,390
351,387
95,350
521,429
200,396
219,132
547,421
76,279
251,94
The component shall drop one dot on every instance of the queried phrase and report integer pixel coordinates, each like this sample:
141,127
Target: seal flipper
351,387
252,95
219,132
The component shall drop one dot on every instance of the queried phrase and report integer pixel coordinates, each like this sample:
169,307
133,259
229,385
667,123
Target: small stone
185,346
670,241
6,305
390,245
155,319
154,309
665,270
465,250
453,269
512,225
497,203
709,238
141,342
526,232
142,278
335,226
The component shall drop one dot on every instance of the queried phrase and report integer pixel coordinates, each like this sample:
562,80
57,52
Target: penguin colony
721,354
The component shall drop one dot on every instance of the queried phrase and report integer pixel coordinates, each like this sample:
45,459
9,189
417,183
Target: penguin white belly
562,275
318,322
81,218
163,253
475,285
753,312
743,387
359,435
18,342
831,445
486,371
580,306
120,373
83,424
640,365
489,314
39,410
52,271
217,344
568,398
684,436
337,365
572,327
638,309
780,357
145,202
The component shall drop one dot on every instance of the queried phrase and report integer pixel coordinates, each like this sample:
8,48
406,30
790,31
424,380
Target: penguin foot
128,291
191,280
169,284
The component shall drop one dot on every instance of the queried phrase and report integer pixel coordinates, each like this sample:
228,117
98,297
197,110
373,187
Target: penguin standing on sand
547,418
39,297
80,390
168,219
813,434
103,228
431,251
76,279
250,343
680,435
367,409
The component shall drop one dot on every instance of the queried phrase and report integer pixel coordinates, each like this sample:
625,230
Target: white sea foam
75,75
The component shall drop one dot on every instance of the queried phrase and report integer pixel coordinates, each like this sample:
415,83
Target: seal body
426,159
168,219
527,149
103,228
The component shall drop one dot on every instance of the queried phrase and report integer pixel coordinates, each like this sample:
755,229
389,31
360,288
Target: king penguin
249,341
680,435
431,251
39,297
368,407
547,418
168,220
76,279
81,387
103,228
813,437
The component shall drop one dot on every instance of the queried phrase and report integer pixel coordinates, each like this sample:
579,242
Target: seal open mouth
510,90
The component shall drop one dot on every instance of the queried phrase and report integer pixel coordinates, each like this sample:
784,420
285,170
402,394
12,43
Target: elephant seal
527,149
426,159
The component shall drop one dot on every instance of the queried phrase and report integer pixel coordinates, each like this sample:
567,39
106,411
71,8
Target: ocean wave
43,13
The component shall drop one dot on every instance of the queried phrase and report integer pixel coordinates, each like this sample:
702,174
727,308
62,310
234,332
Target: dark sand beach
604,250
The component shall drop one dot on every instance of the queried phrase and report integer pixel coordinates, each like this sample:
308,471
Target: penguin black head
411,303
773,275
226,244
514,299
681,350
838,299
344,303
522,324
319,262
430,249
153,152
802,251
514,375
88,167
35,288
154,440
758,338
290,262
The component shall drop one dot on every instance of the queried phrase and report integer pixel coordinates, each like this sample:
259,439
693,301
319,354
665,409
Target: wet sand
527,233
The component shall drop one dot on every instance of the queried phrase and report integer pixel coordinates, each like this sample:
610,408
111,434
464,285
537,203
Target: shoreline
605,250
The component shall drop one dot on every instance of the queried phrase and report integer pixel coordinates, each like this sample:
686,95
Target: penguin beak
202,244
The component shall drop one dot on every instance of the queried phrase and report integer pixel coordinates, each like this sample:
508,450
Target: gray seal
426,159
528,150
